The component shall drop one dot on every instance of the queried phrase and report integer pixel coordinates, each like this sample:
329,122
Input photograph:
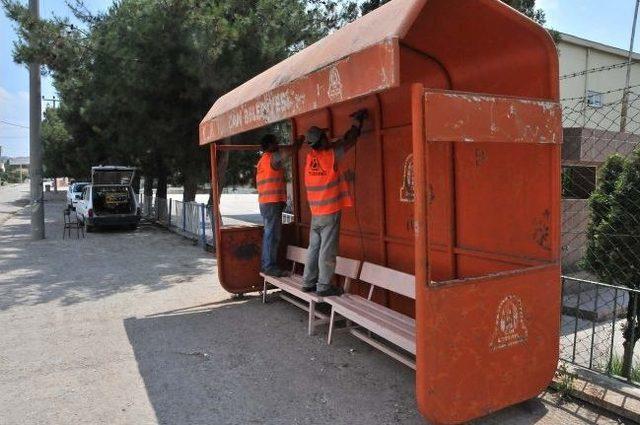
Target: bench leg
312,317
333,316
264,291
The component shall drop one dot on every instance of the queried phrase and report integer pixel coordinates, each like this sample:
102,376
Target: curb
599,390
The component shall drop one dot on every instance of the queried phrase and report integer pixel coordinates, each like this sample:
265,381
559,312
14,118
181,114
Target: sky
607,22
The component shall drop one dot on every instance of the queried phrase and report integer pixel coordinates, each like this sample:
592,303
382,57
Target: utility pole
625,93
35,144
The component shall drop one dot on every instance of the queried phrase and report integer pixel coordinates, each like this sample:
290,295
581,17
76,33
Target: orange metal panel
490,342
487,47
487,336
373,69
238,252
469,117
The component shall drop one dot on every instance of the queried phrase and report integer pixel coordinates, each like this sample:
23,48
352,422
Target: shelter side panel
492,343
238,257
503,203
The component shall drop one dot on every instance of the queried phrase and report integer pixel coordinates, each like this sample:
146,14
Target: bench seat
291,286
394,327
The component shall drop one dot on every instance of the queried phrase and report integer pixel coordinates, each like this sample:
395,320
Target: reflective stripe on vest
327,191
270,182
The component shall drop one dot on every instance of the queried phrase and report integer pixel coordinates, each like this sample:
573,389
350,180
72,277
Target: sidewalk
133,328
13,197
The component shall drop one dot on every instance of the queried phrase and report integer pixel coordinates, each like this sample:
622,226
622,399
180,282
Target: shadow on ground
238,361
102,264
243,362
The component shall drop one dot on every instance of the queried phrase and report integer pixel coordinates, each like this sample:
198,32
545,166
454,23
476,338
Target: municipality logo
315,169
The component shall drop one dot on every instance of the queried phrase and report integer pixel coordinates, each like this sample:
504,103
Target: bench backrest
393,280
296,254
345,267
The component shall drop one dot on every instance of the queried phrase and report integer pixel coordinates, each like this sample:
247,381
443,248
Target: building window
578,182
594,99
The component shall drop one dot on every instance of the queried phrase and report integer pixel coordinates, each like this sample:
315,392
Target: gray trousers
323,249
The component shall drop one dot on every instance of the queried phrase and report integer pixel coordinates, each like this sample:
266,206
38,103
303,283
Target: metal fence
594,327
192,220
601,230
601,202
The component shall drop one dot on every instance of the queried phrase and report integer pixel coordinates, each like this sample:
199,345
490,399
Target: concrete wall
575,219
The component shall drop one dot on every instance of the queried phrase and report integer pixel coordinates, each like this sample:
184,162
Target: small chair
69,224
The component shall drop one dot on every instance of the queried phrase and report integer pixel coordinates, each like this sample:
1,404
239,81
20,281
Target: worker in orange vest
327,194
272,197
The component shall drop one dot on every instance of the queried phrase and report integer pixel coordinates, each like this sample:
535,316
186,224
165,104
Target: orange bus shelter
457,181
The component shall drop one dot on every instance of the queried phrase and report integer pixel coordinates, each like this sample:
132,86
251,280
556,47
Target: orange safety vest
327,190
270,182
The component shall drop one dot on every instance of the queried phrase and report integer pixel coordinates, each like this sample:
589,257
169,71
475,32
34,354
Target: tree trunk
136,184
148,186
631,335
161,189
190,188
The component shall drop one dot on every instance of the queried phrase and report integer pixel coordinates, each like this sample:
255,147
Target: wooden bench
346,269
380,320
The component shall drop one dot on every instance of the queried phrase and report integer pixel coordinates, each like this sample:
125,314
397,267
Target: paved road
13,197
133,328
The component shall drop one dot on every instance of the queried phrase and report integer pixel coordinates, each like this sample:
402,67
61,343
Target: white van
109,200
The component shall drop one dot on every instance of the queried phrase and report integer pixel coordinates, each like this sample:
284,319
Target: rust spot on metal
541,232
246,252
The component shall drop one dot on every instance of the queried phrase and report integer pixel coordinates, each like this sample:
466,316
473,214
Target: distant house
20,163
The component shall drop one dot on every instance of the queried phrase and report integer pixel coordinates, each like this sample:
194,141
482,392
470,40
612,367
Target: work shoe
275,272
331,291
309,288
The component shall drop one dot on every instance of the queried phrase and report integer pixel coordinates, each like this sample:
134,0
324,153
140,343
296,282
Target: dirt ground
132,328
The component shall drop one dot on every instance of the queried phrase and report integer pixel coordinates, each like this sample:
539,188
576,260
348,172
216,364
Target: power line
14,124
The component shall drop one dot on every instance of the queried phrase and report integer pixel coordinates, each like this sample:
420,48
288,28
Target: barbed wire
603,93
597,69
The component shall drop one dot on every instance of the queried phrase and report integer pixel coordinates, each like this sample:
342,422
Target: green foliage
528,8
136,80
58,148
615,367
564,381
613,238
13,176
613,235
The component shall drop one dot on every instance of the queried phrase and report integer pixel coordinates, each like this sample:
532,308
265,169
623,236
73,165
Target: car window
79,187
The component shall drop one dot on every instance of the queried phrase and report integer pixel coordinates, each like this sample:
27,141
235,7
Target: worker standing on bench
327,193
272,197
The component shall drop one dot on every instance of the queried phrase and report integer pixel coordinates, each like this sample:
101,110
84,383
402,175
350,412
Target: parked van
109,200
